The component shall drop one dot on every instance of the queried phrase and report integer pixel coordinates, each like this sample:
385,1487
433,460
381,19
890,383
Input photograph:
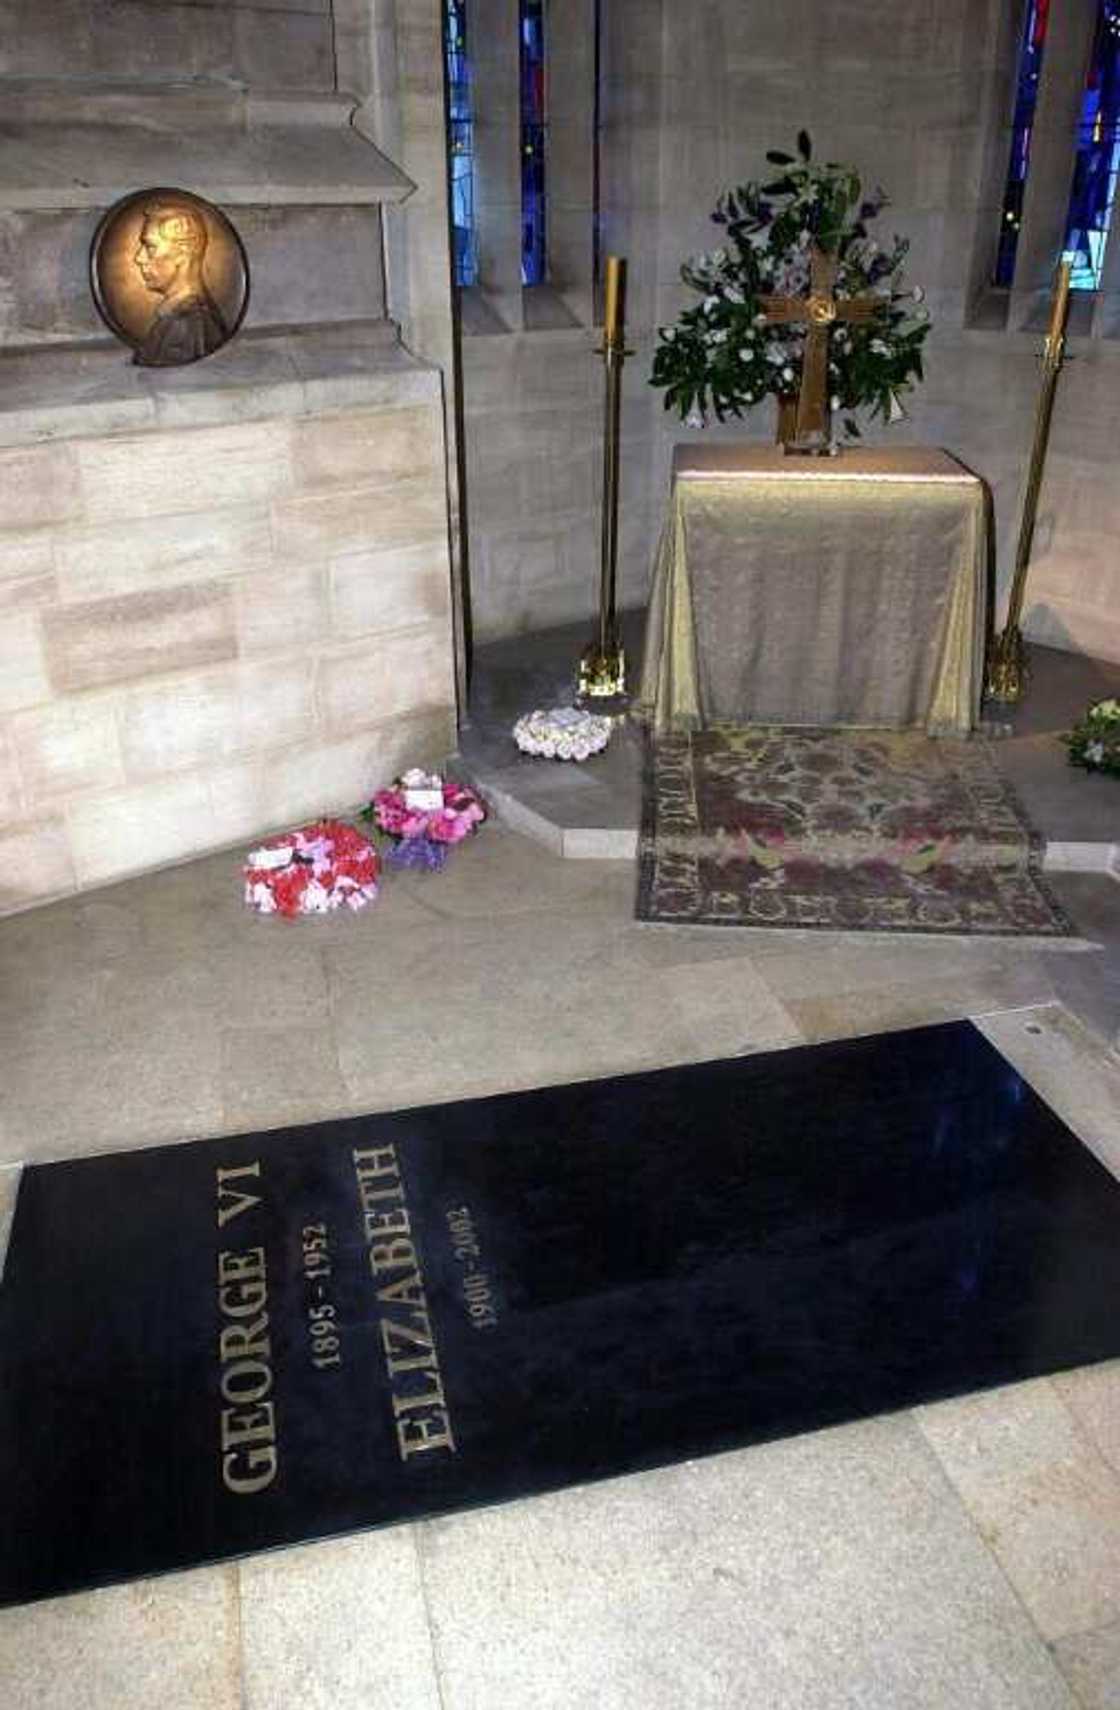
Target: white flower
878,348
760,320
918,294
1094,751
668,334
787,373
694,418
750,397
834,403
733,294
710,303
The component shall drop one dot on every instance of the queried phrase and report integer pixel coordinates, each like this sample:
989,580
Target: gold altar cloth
847,590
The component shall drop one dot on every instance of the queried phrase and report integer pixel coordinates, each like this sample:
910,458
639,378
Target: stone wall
46,296
213,631
225,590
391,51
533,393
278,43
917,94
534,406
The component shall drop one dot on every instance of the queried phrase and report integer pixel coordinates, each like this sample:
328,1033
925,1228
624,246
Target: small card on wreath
422,791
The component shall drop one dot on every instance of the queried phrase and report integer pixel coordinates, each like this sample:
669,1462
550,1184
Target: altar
845,590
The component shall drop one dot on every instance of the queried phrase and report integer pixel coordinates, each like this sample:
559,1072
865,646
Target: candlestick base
1008,670
602,678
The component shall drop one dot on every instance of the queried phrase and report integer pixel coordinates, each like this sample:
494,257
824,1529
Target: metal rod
613,358
602,666
1007,664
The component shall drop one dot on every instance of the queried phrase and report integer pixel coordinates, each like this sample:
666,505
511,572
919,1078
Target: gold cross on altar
818,311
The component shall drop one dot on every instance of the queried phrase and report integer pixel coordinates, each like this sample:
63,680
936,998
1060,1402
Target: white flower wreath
562,733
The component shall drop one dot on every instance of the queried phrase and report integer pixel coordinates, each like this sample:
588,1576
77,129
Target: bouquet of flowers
424,814
318,868
723,354
1094,742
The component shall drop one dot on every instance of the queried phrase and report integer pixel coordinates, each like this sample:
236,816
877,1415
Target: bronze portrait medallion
169,276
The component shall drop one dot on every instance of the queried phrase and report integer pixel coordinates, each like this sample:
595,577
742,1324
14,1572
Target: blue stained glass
534,256
460,144
1032,45
1098,156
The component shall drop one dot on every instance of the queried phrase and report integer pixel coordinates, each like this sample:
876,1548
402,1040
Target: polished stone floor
959,1554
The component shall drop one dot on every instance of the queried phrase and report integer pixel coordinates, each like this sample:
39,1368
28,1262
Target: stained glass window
534,259
1036,18
460,144
1098,155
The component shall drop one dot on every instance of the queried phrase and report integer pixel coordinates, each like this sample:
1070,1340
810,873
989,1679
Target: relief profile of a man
169,256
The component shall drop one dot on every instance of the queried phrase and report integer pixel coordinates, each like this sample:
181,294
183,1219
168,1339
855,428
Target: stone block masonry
212,632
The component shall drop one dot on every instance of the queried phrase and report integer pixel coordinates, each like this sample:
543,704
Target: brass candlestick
602,665
1007,671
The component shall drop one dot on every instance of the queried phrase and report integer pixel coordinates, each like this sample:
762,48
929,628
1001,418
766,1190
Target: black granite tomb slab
217,1347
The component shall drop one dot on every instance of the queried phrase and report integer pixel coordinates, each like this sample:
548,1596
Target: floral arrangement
722,354
562,733
424,814
1094,742
314,870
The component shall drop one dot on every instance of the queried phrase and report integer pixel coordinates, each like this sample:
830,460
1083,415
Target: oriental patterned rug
843,830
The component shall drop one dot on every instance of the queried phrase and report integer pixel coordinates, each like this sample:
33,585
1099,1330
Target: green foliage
1095,742
721,356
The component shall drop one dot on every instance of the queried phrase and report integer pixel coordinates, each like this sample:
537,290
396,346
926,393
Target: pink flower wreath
320,867
425,814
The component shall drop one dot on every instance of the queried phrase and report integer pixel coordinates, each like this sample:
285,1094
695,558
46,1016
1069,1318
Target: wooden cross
819,311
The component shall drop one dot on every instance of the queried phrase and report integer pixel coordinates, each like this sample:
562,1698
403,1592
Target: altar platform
590,810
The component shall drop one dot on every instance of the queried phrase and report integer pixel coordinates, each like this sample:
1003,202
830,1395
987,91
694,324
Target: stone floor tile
76,1094
200,907
338,1626
821,1571
538,1000
166,1644
1091,1664
914,1003
76,933
276,1075
1092,1395
1090,985
1043,1497
805,964
1065,1064
496,873
9,1188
